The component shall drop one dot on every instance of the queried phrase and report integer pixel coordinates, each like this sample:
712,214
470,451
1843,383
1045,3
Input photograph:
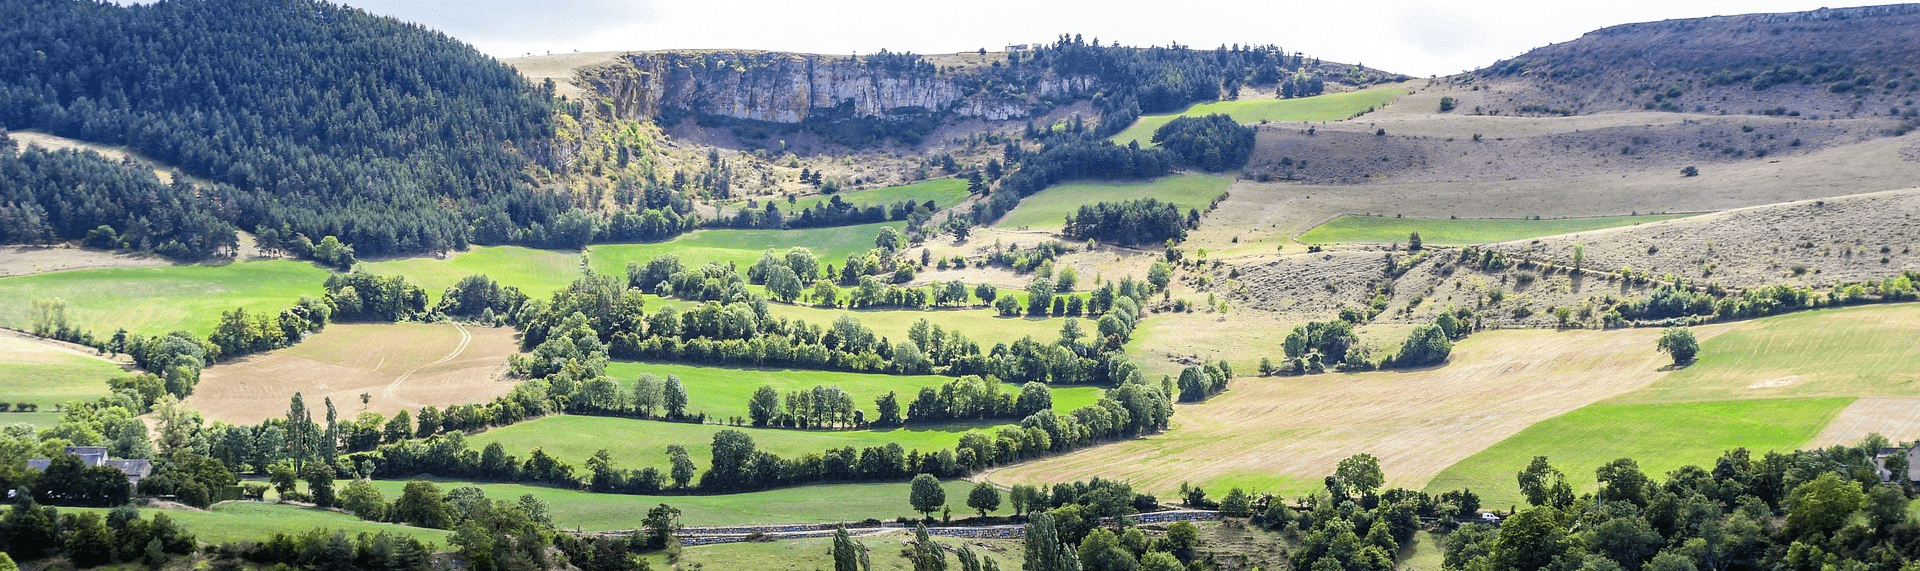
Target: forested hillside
322,118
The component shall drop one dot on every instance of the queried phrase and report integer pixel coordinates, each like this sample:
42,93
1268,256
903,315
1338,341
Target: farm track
466,338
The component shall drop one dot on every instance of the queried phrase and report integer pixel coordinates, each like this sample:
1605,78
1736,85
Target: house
1017,47
1912,452
135,470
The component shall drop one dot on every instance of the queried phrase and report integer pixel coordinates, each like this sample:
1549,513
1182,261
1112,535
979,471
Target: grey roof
135,469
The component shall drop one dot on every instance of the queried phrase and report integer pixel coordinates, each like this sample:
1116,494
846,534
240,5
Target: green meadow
50,378
1856,351
641,443
723,391
1660,437
1049,208
1328,107
816,553
230,522
739,247
574,509
944,192
155,300
538,273
1461,232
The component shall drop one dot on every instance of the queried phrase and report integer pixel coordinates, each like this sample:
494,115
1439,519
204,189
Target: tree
1160,274
1102,551
1160,561
1182,538
1045,551
1544,485
1360,473
847,553
1822,505
1413,242
319,477
1679,343
984,498
422,505
1690,170
763,405
927,555
927,496
364,499
674,397
1039,296
662,522
89,544
682,470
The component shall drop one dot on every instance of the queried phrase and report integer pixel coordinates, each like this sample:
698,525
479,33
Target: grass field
723,391
1329,107
1285,434
741,247
538,273
574,509
1857,351
155,300
1660,437
944,192
48,373
1461,232
37,419
1049,208
256,521
642,443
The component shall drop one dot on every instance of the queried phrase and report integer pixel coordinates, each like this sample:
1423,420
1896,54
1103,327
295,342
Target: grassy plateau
1328,107
1049,208
944,192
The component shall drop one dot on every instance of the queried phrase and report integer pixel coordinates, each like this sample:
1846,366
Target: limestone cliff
793,88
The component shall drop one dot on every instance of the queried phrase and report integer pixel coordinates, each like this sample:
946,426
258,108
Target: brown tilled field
400,366
1895,418
1283,434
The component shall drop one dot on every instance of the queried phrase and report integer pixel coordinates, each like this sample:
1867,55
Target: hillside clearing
739,247
538,273
816,553
49,373
1327,107
398,365
944,192
1283,434
981,325
22,260
1660,437
1852,352
1460,231
160,299
1048,209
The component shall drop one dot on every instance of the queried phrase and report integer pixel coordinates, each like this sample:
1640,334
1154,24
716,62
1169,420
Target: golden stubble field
1284,435
399,366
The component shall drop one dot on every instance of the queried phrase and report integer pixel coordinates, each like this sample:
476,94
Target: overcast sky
1415,37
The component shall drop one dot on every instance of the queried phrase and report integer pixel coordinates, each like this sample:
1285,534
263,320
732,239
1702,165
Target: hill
1827,62
308,115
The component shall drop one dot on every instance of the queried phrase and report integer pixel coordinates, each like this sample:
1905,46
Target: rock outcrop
794,88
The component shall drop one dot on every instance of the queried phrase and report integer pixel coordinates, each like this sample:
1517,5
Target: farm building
135,470
1912,452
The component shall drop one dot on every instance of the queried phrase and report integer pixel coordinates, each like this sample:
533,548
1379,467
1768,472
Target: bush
1680,343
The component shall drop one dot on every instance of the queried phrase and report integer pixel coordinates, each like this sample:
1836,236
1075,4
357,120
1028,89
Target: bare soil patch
400,366
1898,419
23,260
1277,434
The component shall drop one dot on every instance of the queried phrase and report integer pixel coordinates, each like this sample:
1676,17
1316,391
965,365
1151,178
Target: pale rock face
790,88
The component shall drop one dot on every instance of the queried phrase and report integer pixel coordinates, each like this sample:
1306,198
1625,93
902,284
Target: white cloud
1416,37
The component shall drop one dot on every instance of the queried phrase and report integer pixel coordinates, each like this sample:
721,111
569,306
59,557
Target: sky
1414,37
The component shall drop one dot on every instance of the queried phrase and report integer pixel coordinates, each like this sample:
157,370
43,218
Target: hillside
1846,62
